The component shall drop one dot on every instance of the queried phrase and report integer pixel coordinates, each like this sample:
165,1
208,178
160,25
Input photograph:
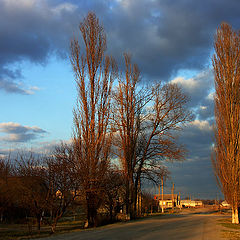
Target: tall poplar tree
94,73
226,157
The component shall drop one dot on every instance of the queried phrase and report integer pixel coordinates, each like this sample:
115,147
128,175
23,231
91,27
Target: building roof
165,196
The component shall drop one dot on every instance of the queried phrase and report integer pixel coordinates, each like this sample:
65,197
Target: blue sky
170,40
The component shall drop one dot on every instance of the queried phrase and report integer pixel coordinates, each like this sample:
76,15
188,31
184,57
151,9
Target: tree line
123,130
117,117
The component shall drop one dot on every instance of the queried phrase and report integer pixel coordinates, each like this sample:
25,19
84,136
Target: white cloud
190,84
15,127
199,89
47,147
210,96
68,7
19,133
203,107
200,84
202,125
12,138
20,3
12,86
32,90
124,3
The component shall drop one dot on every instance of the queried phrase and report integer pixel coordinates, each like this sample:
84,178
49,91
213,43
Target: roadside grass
67,224
19,235
230,235
230,231
21,231
228,224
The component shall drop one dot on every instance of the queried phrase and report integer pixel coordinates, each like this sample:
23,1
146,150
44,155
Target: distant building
191,203
225,204
167,200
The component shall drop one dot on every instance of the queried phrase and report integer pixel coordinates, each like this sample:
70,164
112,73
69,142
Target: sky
170,40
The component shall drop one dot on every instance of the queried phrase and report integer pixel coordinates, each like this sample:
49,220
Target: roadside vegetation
230,231
24,231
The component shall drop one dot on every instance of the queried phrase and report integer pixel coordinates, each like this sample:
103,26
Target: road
189,226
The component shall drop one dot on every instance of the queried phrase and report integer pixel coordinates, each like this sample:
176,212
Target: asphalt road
189,226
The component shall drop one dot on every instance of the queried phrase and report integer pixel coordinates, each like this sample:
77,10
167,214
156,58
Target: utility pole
158,197
139,200
140,204
180,205
173,197
162,195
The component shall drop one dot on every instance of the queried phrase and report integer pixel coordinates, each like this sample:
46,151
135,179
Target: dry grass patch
21,231
231,231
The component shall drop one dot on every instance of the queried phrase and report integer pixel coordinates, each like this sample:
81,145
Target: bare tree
45,185
128,106
63,182
113,190
226,157
6,194
29,184
148,204
94,73
145,121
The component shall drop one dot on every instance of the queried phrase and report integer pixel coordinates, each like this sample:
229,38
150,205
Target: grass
230,235
227,223
231,231
20,231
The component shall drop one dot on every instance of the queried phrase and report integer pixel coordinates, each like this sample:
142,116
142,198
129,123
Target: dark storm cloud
195,178
198,138
200,90
206,111
195,175
31,31
163,36
19,133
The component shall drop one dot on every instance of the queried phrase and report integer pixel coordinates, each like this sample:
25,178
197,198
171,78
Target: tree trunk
39,222
55,221
111,211
235,217
127,199
134,204
92,215
91,209
53,227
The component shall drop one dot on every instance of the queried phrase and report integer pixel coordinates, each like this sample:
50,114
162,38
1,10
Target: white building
191,203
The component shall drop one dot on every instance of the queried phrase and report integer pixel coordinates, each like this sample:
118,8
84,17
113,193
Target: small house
225,204
167,200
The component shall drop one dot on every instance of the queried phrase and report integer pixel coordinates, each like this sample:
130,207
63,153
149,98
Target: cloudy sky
170,40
